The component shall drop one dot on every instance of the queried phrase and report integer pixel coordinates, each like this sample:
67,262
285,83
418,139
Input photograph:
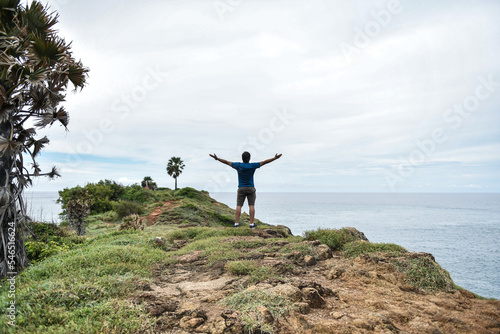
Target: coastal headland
180,267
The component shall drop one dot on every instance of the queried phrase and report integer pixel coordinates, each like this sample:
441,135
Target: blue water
460,230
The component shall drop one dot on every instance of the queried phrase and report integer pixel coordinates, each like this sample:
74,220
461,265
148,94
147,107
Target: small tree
148,183
174,168
77,211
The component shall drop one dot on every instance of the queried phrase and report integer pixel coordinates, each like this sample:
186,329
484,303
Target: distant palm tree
174,168
148,183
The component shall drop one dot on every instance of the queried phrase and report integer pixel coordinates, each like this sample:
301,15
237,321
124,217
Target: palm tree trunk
12,252
175,184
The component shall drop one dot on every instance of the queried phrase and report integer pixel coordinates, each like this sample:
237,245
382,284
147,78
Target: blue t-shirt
245,173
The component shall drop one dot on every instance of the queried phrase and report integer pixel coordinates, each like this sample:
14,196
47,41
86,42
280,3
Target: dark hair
246,157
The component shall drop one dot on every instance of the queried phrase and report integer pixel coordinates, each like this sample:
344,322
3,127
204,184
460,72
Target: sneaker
236,225
253,225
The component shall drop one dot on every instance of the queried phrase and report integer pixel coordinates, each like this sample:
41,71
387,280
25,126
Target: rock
313,243
422,254
296,257
189,258
285,231
156,305
335,273
467,293
302,307
364,324
298,321
313,298
288,291
336,315
266,315
309,260
323,252
355,233
232,322
190,323
267,233
324,292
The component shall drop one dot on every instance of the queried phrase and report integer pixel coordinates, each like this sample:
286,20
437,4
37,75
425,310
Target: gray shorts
246,192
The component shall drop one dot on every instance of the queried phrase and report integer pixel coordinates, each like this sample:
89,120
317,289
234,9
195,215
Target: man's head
245,157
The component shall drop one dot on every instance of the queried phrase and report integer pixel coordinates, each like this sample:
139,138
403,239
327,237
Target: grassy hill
180,267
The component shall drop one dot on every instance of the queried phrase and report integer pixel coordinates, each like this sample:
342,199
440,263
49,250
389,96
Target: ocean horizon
460,230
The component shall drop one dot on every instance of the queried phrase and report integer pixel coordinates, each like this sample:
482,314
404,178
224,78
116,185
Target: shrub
188,192
136,193
424,273
335,239
39,250
48,239
247,267
240,268
189,213
357,248
44,231
126,208
248,302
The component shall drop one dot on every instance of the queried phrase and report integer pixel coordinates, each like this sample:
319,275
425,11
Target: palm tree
148,183
36,67
174,168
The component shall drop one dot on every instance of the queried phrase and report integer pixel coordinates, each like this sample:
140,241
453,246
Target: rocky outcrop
319,292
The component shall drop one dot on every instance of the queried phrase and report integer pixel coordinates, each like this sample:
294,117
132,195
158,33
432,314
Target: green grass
425,274
84,290
335,239
256,272
247,302
357,248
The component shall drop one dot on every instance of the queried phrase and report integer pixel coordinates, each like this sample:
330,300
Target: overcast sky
359,96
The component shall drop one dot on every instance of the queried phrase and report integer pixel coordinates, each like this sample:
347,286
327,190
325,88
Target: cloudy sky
359,96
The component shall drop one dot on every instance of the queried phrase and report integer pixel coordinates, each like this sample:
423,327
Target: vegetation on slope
85,284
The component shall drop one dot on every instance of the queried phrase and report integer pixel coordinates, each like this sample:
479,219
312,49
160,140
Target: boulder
313,298
288,291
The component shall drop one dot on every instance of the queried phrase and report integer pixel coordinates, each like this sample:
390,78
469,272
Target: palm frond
9,146
38,145
48,51
38,20
39,98
37,76
54,173
78,74
62,116
36,169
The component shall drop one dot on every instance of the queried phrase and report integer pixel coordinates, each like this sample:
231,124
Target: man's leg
252,213
251,204
237,214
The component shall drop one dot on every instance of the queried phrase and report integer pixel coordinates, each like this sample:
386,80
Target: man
246,187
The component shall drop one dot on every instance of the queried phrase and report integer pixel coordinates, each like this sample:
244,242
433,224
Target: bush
357,248
188,192
127,208
248,303
335,239
240,268
39,250
136,193
45,231
424,273
48,239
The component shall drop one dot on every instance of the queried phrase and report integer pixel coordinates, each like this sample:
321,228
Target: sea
462,231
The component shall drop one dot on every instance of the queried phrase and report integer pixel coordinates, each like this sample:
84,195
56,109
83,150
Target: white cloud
222,80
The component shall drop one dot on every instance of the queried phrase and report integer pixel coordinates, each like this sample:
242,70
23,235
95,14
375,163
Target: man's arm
277,156
221,160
